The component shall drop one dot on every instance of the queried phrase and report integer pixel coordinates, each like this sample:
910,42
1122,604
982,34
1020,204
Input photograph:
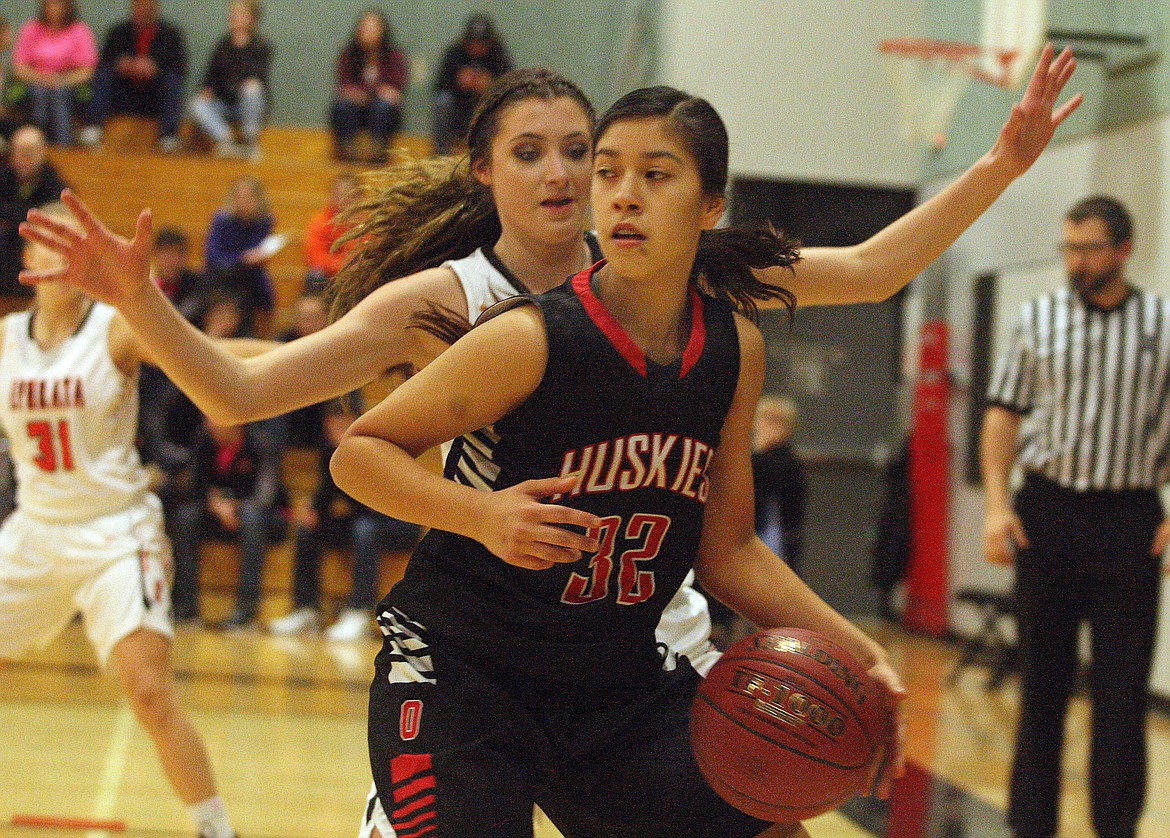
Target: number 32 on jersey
644,533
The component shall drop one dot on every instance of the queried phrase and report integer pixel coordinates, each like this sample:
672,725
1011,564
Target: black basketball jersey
640,436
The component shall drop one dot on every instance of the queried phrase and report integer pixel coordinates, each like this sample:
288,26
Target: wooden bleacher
184,190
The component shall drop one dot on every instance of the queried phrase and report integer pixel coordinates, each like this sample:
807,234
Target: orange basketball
788,725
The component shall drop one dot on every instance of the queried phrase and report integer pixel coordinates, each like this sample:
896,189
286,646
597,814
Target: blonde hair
408,216
263,209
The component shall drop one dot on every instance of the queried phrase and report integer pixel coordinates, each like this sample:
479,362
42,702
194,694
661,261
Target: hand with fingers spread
1035,117
527,533
108,267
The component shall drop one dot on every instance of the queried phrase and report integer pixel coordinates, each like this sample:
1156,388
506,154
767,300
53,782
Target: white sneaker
302,621
353,624
168,145
90,136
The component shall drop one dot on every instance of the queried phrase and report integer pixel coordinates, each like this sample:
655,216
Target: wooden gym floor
284,720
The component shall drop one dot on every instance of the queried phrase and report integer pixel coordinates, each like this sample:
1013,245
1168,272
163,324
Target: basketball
788,725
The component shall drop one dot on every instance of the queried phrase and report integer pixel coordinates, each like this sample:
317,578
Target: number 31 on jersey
52,438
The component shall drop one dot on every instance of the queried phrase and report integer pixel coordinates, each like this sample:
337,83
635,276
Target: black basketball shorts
456,755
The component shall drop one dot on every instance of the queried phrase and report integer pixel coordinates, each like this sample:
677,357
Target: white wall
1017,238
800,85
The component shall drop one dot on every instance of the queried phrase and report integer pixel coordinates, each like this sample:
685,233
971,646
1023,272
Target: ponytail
410,216
726,261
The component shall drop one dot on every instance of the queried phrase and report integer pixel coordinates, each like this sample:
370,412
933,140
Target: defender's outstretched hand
1035,117
105,265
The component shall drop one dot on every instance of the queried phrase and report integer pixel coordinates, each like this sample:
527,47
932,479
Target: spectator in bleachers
302,428
323,261
231,489
168,420
141,69
187,289
469,67
235,88
332,518
27,180
780,483
236,261
190,293
170,430
224,316
53,62
371,78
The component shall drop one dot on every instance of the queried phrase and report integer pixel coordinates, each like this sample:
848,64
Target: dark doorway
841,366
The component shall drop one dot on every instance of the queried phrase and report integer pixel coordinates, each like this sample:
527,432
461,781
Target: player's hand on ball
893,763
525,532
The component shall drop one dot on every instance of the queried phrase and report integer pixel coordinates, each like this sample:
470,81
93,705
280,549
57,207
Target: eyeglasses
1077,248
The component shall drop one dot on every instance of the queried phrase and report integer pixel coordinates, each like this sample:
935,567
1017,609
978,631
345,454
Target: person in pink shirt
55,56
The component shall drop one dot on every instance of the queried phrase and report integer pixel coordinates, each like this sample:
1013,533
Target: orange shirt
319,238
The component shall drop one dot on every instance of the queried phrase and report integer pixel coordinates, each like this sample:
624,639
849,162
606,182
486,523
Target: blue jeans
369,533
52,111
452,118
162,98
380,117
190,524
215,116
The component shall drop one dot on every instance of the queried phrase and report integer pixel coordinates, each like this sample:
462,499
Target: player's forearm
761,587
212,377
247,347
384,477
237,381
997,453
883,264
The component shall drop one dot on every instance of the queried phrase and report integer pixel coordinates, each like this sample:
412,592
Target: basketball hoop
930,76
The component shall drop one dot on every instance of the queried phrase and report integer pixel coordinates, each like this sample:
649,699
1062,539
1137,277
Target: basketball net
930,77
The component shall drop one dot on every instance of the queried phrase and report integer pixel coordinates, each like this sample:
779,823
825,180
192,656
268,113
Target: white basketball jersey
70,415
484,285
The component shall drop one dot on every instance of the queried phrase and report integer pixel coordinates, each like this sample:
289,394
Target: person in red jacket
321,260
371,78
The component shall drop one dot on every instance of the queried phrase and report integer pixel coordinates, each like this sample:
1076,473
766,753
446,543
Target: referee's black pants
1089,560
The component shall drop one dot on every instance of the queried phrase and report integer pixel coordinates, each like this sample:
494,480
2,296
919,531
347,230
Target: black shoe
185,615
242,619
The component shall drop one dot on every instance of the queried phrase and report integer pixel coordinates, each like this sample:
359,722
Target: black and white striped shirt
1094,388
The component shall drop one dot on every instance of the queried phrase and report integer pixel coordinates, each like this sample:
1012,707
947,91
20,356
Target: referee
1082,402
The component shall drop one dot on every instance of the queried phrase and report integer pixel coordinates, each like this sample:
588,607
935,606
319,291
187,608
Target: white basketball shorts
115,570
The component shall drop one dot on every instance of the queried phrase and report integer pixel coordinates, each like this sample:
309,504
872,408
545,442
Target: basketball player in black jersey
519,663
113,269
